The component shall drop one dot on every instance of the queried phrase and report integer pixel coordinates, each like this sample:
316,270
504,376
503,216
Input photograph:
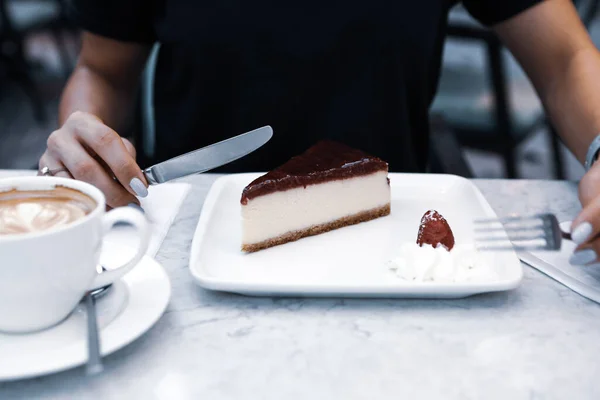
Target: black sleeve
125,20
491,12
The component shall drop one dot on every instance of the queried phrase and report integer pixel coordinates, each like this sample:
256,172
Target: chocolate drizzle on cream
26,211
325,161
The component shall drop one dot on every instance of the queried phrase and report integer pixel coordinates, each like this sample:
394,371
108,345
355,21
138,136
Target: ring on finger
46,171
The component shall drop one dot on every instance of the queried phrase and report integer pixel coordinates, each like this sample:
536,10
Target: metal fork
533,232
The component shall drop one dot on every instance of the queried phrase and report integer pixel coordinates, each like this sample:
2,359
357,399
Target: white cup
44,275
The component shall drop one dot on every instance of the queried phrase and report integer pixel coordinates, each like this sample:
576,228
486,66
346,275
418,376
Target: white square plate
347,262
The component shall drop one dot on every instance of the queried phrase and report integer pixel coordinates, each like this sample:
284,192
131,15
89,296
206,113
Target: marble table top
541,341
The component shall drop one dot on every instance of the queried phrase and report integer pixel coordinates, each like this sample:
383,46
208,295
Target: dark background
50,47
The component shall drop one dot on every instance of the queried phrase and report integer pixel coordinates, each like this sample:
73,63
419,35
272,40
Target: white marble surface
541,341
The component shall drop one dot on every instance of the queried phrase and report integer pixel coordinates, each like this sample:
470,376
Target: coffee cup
51,233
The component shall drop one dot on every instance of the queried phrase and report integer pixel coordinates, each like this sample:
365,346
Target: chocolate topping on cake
325,161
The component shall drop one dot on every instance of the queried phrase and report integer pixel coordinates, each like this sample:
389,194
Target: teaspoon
94,364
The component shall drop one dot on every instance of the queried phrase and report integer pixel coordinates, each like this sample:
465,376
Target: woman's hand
92,152
585,229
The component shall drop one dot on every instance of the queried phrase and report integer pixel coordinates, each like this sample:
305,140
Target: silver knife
561,277
208,157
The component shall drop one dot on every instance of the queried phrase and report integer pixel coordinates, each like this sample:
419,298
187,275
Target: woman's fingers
130,147
111,149
54,164
94,153
84,167
585,229
586,254
587,224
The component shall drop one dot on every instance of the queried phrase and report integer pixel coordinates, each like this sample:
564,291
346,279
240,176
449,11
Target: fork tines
534,232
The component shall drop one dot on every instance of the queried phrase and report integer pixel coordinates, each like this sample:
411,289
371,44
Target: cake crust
325,161
318,229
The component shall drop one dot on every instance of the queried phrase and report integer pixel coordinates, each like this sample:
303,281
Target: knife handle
149,175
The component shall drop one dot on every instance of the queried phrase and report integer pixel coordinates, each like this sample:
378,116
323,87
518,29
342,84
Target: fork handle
565,235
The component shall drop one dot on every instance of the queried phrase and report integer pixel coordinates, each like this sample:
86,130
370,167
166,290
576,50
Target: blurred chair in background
486,108
445,152
18,20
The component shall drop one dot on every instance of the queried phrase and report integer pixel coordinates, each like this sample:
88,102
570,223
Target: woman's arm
96,104
553,46
105,80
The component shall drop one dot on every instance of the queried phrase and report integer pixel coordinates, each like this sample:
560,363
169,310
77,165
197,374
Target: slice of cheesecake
327,187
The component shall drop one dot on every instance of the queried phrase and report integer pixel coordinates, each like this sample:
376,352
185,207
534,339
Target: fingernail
137,207
583,257
581,233
138,187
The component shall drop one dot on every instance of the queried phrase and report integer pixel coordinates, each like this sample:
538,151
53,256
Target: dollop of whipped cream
429,264
35,216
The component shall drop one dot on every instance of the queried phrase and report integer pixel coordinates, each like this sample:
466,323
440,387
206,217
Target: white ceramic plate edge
396,289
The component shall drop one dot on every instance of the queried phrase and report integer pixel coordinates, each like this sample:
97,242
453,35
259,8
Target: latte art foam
35,211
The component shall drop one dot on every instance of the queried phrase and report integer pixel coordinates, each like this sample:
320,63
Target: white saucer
128,310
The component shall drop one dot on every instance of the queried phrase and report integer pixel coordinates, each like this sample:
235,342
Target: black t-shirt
361,72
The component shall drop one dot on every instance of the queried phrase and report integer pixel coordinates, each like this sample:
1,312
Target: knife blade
561,277
209,157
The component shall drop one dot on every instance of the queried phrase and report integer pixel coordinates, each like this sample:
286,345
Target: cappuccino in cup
26,211
51,233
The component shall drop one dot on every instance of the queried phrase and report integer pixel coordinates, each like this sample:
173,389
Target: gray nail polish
581,233
138,187
137,207
583,257
132,205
